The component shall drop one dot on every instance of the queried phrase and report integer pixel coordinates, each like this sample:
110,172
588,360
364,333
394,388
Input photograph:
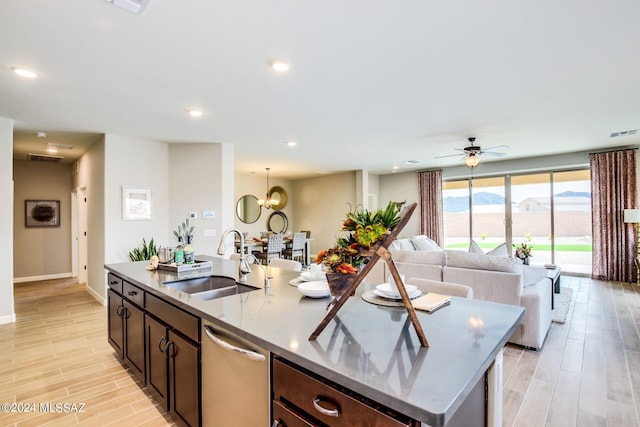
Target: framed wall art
136,203
42,213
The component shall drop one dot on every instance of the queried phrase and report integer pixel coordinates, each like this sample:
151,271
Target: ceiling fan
472,153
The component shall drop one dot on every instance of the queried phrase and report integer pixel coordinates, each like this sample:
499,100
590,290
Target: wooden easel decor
380,252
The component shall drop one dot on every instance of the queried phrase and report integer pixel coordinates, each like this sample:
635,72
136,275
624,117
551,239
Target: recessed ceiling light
291,143
394,168
52,150
25,73
280,66
412,162
195,113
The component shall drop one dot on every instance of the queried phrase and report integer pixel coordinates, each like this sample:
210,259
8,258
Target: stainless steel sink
210,287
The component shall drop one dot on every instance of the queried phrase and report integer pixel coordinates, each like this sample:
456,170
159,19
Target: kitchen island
367,349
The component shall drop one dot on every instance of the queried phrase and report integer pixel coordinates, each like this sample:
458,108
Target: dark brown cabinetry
126,323
302,399
161,344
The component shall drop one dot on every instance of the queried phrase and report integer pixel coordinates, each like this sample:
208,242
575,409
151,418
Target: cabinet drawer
283,417
328,404
115,283
133,293
186,323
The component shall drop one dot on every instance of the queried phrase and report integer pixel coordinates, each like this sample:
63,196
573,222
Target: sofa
493,278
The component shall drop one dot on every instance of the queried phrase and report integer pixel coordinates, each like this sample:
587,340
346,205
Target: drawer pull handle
132,293
113,282
324,411
247,354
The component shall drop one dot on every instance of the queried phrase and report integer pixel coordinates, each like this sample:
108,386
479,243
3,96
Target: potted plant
366,231
524,252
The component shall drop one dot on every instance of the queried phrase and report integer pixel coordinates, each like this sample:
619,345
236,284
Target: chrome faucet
267,278
243,268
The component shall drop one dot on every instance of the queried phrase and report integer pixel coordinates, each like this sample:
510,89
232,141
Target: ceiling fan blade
492,154
450,155
497,147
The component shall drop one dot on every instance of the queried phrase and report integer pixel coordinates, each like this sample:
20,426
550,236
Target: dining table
256,243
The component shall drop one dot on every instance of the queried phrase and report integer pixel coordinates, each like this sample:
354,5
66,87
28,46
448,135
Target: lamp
472,160
632,216
267,202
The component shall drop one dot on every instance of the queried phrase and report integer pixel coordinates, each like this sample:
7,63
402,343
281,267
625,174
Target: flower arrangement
523,250
366,228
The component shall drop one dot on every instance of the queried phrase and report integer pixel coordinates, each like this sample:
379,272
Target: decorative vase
525,261
338,282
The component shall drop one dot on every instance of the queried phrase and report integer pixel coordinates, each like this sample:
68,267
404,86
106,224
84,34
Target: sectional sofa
493,278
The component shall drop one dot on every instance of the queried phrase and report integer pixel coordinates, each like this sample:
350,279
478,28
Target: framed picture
136,203
42,213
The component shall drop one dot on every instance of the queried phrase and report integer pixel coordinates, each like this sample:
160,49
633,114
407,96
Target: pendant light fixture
267,202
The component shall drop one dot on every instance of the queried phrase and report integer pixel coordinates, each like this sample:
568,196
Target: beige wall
402,187
7,313
256,185
41,253
201,179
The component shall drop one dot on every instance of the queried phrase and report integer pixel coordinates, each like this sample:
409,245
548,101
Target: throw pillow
474,248
423,243
500,251
403,244
532,275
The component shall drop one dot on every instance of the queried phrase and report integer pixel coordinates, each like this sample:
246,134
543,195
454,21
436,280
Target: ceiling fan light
472,160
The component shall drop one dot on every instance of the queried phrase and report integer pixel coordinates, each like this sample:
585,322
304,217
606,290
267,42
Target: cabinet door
184,374
115,322
156,341
134,339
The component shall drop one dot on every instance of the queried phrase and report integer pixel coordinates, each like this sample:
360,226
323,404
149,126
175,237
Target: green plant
365,229
144,253
184,233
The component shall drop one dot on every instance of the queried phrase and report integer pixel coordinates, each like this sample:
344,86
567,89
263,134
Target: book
431,301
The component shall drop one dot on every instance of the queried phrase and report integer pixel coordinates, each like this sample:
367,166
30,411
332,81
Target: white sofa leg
494,392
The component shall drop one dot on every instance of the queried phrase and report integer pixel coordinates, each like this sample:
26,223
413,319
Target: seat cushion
483,262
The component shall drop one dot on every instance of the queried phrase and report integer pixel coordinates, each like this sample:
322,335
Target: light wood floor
588,373
57,352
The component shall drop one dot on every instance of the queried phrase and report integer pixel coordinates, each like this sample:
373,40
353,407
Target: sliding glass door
551,211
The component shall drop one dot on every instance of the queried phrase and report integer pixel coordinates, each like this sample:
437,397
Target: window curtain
431,217
613,189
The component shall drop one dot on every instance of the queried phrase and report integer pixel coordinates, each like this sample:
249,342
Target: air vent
624,133
44,158
58,146
133,6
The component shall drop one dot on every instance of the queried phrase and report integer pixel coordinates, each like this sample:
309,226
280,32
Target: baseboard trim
43,277
9,318
95,295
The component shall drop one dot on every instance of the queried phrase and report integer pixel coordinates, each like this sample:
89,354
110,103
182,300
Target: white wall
201,179
7,313
91,177
134,162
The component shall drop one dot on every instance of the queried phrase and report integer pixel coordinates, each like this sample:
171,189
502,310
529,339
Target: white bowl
315,289
389,292
309,276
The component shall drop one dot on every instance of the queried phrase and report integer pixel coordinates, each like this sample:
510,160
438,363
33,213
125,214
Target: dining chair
454,289
286,264
273,249
296,251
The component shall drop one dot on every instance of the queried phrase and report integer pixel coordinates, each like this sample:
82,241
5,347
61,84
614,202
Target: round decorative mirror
277,222
278,197
248,209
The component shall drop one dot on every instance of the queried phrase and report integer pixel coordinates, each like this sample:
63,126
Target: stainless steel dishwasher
235,380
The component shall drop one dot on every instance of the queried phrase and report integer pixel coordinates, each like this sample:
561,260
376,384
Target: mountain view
453,204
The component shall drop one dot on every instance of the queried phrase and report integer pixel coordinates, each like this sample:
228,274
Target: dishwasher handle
248,354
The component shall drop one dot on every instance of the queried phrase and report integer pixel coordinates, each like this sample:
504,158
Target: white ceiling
372,83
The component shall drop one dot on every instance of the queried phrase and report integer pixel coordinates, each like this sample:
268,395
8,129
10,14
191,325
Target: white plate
385,289
309,276
412,295
295,282
316,289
